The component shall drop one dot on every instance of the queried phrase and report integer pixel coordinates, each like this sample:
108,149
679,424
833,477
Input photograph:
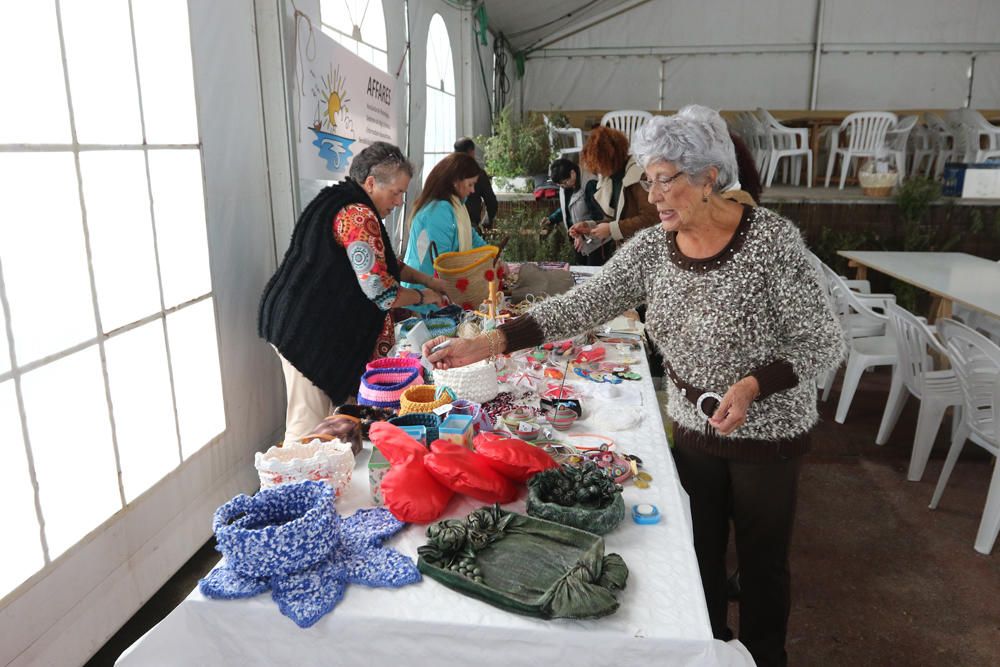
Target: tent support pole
817,54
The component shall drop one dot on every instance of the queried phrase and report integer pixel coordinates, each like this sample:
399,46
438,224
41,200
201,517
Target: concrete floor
878,579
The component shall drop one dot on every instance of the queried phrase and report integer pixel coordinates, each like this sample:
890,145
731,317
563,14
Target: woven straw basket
420,398
468,274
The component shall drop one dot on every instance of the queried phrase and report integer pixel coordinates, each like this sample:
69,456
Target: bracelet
493,338
420,292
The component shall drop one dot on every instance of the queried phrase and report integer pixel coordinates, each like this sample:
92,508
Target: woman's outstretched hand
459,352
732,411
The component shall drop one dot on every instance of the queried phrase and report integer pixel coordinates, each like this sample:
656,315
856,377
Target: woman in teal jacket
439,215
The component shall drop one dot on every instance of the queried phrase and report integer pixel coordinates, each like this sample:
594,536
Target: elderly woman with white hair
737,311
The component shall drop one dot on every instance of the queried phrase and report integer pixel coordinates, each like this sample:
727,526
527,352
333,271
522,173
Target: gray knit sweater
756,308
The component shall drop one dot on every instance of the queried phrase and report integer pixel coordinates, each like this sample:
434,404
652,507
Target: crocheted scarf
291,540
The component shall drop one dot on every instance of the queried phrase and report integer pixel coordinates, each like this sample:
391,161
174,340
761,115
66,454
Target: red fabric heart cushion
396,446
467,473
511,457
412,494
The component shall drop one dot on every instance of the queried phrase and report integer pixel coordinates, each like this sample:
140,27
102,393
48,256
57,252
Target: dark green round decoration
579,496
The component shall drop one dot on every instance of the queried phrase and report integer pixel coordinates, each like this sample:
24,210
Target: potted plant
515,152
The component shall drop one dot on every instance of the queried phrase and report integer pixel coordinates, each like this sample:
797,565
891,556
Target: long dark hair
440,183
748,174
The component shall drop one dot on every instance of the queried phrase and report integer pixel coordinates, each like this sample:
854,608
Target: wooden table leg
860,270
940,308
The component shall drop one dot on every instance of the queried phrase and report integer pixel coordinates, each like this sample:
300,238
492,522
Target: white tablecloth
662,620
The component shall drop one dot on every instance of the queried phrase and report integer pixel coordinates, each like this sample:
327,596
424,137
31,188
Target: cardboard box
457,429
378,466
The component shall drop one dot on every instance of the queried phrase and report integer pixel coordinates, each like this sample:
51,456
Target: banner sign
345,105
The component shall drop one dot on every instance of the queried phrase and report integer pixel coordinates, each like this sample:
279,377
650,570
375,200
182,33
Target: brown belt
707,402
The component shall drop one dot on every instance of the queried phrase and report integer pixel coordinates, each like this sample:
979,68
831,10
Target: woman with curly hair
624,202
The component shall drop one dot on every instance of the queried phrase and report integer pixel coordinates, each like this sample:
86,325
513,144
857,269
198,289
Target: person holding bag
440,219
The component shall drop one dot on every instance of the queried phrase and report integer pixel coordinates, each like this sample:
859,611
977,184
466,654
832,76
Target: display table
662,619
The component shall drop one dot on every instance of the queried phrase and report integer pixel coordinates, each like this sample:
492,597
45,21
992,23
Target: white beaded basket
330,461
476,382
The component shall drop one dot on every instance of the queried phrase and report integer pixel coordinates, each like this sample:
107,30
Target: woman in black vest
326,309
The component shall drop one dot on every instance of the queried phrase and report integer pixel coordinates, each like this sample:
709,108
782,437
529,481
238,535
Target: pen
441,346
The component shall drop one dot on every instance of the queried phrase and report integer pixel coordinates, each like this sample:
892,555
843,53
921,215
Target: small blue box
457,429
953,178
418,433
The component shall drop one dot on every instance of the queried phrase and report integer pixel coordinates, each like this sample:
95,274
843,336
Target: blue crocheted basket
279,530
437,326
429,420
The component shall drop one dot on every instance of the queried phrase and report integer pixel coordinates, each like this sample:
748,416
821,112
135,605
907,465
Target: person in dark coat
326,309
483,194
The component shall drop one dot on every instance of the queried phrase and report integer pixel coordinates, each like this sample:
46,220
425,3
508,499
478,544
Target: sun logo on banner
331,105
334,96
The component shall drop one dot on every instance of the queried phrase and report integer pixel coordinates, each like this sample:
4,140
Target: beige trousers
308,405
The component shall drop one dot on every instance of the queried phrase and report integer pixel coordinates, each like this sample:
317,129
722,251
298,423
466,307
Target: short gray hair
381,160
694,139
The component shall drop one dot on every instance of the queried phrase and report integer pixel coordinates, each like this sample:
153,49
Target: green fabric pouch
524,565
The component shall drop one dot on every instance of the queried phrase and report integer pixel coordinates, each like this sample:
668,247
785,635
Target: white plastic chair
626,121
922,147
973,131
865,352
976,361
866,137
786,142
896,141
944,141
915,374
563,141
755,135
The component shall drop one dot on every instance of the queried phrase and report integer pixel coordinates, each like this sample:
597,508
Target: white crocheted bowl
330,461
476,382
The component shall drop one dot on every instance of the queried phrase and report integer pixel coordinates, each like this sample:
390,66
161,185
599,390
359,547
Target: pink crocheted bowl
399,363
383,387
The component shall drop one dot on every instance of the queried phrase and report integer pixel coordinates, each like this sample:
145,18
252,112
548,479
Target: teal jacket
436,223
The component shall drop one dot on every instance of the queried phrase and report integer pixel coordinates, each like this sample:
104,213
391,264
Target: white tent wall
402,18
63,614
747,53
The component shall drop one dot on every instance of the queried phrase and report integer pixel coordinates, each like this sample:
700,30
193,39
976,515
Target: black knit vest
313,309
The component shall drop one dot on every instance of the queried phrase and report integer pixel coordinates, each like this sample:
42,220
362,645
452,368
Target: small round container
562,417
520,414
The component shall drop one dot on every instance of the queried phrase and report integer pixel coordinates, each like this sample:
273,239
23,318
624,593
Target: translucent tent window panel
70,434
43,254
440,68
99,58
34,109
339,17
22,537
143,408
194,355
163,43
179,213
343,15
4,343
116,196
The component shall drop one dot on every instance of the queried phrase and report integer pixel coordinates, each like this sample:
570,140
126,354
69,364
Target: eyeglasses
662,184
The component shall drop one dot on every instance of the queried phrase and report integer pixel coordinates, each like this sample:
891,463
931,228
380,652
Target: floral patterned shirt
357,230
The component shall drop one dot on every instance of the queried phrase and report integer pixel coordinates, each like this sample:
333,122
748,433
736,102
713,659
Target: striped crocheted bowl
398,363
421,399
383,387
428,420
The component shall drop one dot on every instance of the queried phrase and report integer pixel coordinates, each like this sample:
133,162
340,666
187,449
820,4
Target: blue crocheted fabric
290,539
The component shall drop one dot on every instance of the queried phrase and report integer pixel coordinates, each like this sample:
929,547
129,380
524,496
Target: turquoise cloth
434,223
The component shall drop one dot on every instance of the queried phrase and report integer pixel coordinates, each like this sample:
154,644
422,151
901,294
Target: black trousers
760,499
